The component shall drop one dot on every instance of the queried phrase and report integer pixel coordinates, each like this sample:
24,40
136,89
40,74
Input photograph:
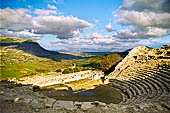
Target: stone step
148,69
164,75
148,87
158,79
160,88
153,71
153,89
165,89
142,88
139,92
126,87
157,75
164,83
127,90
118,84
136,92
124,90
137,87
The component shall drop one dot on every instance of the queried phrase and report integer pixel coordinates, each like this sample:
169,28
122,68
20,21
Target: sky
88,25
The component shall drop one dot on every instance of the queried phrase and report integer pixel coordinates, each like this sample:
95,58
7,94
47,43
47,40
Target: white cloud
15,20
96,20
29,6
20,22
22,34
87,43
142,33
144,19
51,6
151,5
149,18
44,12
96,35
157,32
63,27
58,1
109,28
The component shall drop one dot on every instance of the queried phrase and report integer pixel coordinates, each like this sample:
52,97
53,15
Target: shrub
109,61
85,68
41,70
93,65
77,69
58,70
29,40
68,70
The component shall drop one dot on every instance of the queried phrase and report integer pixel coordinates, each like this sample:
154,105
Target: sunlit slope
17,63
143,75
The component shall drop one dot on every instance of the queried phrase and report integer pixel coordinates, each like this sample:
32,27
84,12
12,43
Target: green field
92,62
17,63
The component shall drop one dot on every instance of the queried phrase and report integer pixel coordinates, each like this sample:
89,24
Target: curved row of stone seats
158,74
165,78
146,75
152,87
159,87
151,90
148,84
127,91
139,92
164,85
132,93
135,92
145,90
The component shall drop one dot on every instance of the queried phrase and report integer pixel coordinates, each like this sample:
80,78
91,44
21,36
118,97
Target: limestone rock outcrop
143,75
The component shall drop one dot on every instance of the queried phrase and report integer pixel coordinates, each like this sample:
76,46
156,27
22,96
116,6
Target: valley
37,80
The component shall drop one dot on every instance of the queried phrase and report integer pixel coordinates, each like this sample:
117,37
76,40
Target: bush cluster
109,61
73,70
58,70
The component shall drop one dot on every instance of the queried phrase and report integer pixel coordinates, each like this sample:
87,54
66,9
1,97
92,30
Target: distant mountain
25,57
32,47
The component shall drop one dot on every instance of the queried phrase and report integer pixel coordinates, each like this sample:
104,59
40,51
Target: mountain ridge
32,47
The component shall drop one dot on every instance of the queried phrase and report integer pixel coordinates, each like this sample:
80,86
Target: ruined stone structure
143,76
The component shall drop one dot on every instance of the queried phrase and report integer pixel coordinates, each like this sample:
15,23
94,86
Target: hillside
24,57
32,47
139,84
143,76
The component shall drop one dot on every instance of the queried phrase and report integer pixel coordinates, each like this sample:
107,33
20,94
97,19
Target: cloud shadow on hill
35,49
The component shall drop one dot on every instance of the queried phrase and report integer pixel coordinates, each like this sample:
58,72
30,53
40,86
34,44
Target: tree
109,61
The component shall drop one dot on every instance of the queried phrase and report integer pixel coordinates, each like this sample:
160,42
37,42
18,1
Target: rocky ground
17,98
57,78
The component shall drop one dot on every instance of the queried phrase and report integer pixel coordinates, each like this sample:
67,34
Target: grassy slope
16,63
92,62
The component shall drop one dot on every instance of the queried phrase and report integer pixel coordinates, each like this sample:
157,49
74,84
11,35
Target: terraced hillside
143,76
